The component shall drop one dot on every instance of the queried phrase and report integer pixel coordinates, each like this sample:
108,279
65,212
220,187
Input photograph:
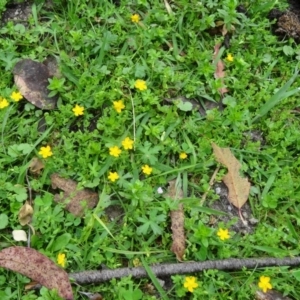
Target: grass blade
275,99
154,280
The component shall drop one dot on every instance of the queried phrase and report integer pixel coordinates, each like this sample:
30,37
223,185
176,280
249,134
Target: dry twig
86,277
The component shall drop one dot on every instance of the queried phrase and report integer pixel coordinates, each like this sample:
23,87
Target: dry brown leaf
31,78
37,267
177,221
270,295
72,196
238,187
219,73
25,214
36,165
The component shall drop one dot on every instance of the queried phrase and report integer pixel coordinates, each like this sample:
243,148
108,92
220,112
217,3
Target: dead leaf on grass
37,267
238,187
177,221
31,78
36,165
72,196
270,295
219,73
25,214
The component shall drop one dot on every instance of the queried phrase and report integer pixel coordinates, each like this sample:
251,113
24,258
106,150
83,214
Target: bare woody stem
86,277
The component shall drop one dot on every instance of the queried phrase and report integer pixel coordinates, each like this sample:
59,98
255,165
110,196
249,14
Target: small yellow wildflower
223,234
115,151
3,103
113,176
127,143
264,283
190,283
78,110
45,152
229,57
135,18
119,105
147,170
140,85
61,259
16,96
182,155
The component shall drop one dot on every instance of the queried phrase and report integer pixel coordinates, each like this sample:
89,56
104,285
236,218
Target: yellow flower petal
127,143
78,110
45,151
115,151
147,170
113,176
140,85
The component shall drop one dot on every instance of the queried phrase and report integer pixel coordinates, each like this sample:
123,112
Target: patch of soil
244,227
287,22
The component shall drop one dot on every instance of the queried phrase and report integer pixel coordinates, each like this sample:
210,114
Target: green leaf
288,50
184,105
3,221
61,242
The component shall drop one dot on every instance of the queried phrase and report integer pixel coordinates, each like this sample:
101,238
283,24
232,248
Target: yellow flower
223,234
182,155
113,176
16,96
229,57
61,259
78,110
127,143
3,103
190,283
115,151
140,85
45,152
119,105
135,18
146,169
264,283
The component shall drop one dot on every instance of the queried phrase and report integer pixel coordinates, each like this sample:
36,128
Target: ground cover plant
153,132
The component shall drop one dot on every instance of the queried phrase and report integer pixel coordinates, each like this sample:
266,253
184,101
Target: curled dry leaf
19,235
25,214
36,165
31,78
92,296
37,267
238,187
72,196
177,221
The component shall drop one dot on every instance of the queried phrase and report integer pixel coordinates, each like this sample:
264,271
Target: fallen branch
86,277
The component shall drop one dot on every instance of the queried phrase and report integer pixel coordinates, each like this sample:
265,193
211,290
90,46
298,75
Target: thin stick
87,277
211,182
30,203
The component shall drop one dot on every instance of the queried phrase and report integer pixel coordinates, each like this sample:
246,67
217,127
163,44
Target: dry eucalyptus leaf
37,267
72,196
238,187
19,235
31,78
25,214
36,165
177,221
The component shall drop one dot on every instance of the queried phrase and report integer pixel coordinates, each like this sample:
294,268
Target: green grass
101,54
